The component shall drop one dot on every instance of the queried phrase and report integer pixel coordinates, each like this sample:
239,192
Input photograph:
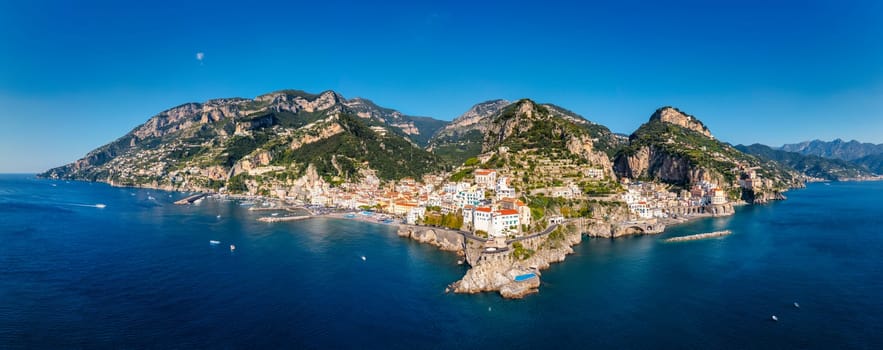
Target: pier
699,236
283,218
190,199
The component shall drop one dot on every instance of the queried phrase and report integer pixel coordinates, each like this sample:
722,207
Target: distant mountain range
829,160
837,149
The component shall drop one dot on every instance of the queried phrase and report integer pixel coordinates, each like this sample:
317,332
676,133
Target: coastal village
485,218
509,186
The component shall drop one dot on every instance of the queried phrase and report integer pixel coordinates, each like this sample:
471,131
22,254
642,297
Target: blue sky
75,75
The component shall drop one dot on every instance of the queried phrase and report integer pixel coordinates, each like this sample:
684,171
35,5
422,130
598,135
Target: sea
141,273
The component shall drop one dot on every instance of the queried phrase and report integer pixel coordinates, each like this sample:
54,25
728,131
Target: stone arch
634,230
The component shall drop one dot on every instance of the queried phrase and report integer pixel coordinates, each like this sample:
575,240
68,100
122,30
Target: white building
485,178
482,219
503,189
594,173
414,214
505,221
472,196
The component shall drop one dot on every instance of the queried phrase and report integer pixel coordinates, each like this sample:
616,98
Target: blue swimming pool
525,277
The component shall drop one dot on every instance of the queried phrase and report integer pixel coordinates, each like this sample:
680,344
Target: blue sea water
141,273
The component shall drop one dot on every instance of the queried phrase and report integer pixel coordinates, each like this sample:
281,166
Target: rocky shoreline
498,269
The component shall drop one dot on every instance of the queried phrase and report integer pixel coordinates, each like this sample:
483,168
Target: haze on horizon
74,76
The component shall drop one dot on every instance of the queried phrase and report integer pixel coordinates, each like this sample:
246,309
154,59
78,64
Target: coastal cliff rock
446,240
657,163
676,148
497,271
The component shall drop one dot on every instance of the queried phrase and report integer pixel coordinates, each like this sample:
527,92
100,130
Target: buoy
796,305
775,318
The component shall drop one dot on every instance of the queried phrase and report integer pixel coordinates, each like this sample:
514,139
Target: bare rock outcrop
674,116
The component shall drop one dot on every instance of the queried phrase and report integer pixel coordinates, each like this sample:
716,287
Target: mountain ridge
835,149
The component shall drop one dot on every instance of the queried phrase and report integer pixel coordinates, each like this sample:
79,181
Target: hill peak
675,116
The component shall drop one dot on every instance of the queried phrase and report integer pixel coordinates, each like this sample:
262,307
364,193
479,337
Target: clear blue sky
77,74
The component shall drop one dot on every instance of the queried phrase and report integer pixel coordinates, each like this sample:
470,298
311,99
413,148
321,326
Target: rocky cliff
674,116
677,148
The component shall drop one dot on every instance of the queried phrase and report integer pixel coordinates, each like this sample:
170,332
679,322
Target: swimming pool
525,277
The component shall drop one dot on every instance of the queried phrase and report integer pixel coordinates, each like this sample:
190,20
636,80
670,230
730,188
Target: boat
214,242
364,258
151,198
246,204
274,214
232,247
796,305
101,205
775,318
219,216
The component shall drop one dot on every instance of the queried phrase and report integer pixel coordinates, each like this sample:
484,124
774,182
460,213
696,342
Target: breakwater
698,236
283,218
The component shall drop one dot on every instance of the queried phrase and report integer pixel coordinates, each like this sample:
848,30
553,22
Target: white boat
796,305
219,216
274,214
232,247
214,242
364,258
775,318
101,205
151,198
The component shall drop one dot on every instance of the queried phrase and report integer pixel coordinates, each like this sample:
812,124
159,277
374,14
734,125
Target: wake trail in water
99,205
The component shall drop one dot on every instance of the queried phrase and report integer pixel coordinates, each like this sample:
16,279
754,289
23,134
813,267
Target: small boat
151,198
101,205
796,305
274,214
774,318
364,258
219,216
214,242
246,204
232,247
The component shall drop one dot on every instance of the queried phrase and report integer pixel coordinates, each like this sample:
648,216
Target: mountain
462,138
837,149
466,135
873,162
677,148
539,147
810,165
283,139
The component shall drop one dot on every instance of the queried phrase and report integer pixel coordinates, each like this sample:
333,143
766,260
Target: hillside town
488,205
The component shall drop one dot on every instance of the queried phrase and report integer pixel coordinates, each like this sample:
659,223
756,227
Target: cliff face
677,148
650,162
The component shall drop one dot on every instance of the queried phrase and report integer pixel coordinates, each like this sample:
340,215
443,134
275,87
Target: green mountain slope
270,141
813,166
